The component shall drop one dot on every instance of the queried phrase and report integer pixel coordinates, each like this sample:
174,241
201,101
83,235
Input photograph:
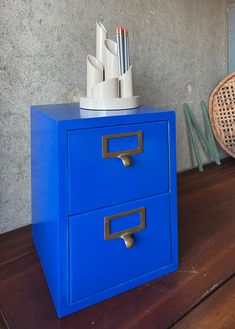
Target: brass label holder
126,235
124,155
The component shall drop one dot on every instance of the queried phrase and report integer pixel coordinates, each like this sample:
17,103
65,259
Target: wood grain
216,312
3,323
207,249
15,244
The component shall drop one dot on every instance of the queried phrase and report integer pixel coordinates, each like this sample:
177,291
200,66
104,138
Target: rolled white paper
110,104
101,36
126,86
106,89
95,73
111,61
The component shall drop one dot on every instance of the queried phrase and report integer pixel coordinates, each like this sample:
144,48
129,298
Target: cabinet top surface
64,112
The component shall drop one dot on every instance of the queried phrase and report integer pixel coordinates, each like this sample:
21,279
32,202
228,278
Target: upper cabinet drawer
116,164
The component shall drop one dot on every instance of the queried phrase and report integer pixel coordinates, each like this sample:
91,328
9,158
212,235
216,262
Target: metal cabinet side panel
44,188
173,188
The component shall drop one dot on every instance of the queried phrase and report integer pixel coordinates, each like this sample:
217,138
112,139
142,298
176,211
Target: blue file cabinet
104,203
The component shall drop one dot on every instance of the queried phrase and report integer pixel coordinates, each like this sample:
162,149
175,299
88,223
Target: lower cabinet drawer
114,245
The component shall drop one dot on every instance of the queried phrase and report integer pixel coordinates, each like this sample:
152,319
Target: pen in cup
123,52
120,49
127,51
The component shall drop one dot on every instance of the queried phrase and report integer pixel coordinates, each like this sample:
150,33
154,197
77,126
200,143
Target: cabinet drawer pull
125,160
126,234
128,239
124,155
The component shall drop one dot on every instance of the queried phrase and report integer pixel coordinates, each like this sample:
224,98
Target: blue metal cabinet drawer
110,165
99,259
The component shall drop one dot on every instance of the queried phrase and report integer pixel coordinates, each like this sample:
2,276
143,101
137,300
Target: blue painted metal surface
110,260
106,175
45,189
74,188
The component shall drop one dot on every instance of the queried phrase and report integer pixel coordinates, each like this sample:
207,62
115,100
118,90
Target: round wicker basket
222,113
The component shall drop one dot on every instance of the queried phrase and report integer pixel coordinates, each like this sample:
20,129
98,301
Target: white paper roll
95,73
101,36
126,87
111,62
110,104
106,89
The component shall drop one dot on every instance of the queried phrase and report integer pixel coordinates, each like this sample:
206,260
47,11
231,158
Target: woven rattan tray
222,113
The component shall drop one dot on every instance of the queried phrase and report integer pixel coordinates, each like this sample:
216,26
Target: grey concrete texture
178,50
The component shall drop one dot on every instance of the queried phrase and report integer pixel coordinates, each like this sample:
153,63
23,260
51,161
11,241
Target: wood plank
15,244
216,312
207,248
3,323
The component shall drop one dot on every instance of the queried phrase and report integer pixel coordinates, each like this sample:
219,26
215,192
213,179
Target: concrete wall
231,38
178,52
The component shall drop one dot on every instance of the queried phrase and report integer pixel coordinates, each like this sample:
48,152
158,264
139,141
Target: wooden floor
200,295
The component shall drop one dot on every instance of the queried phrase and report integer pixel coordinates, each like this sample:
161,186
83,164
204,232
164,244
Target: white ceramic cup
126,86
101,36
106,89
95,73
111,62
